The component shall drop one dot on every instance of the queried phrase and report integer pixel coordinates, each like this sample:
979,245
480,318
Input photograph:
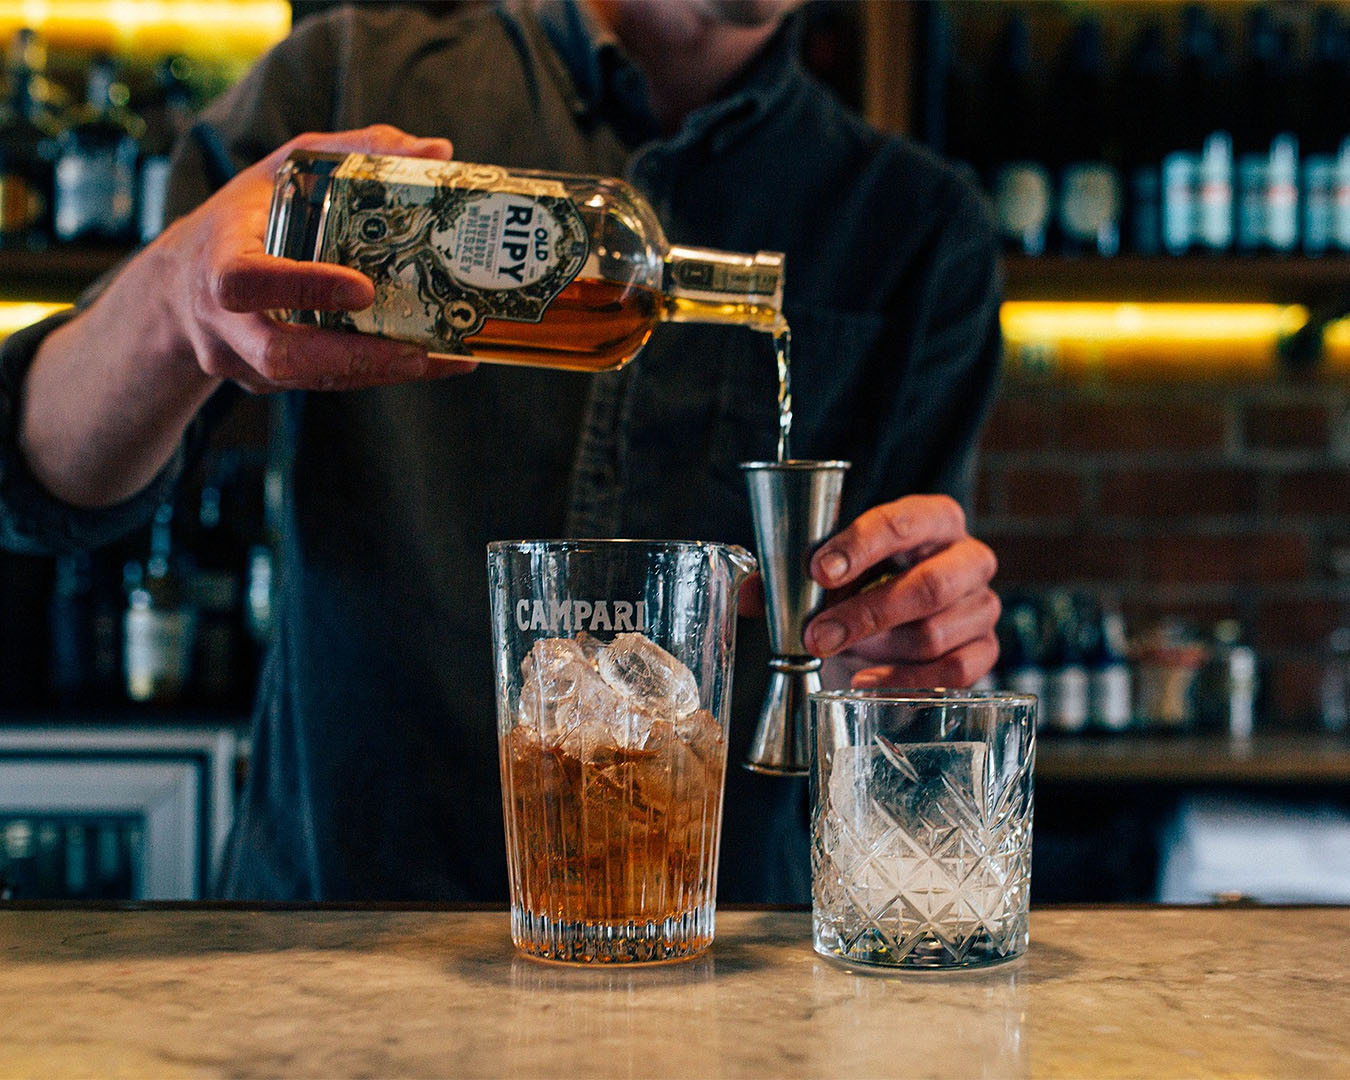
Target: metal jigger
795,506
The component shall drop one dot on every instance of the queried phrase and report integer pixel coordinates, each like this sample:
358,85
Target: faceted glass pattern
921,827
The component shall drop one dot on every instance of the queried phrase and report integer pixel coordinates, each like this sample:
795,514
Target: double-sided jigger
795,506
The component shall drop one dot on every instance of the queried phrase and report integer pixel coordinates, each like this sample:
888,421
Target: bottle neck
99,90
710,286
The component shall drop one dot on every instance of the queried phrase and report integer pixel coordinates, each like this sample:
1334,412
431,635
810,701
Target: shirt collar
610,86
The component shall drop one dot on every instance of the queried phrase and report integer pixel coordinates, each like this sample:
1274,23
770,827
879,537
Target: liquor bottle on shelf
72,629
1267,151
1197,171
1110,696
1325,107
1015,172
160,623
229,518
215,586
25,594
28,149
1144,104
1021,666
1226,685
1335,688
85,640
1169,656
168,116
1088,185
95,192
511,266
1066,676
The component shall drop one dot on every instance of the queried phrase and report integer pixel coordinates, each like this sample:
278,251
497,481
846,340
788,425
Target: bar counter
1102,992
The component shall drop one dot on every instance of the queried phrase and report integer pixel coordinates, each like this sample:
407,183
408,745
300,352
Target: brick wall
1199,497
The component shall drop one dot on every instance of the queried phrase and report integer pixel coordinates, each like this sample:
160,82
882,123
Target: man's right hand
110,393
221,283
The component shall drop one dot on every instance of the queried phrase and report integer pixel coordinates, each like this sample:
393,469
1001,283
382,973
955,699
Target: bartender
374,769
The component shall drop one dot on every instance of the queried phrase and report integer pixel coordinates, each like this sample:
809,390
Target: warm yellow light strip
16,314
1336,347
198,27
1028,320
1140,337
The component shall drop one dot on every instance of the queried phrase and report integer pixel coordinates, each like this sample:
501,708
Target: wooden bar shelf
1251,279
1194,760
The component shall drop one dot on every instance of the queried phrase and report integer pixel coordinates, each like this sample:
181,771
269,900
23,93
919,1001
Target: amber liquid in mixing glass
606,837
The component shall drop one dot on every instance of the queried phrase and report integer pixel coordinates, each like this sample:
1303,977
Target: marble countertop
1102,992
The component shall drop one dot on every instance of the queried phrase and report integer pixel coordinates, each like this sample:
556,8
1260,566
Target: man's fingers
285,357
925,640
375,139
254,281
913,525
922,591
958,668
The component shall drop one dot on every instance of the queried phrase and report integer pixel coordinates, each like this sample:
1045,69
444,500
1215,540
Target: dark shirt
374,770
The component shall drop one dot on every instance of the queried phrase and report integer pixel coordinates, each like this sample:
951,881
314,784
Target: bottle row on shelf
1190,143
176,616
92,173
1075,654
53,857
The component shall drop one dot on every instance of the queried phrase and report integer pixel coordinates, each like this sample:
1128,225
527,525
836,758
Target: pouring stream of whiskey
782,347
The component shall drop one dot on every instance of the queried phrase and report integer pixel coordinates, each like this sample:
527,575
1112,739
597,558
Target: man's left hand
909,602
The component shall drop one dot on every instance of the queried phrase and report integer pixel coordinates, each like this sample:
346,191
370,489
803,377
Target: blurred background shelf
1228,279
1295,759
57,274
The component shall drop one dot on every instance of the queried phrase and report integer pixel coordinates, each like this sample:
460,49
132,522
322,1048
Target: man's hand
110,393
909,602
220,283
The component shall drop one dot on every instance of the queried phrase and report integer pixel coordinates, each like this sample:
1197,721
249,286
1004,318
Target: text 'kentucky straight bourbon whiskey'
507,266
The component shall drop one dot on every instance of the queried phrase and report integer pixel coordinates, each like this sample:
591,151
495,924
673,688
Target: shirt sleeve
284,94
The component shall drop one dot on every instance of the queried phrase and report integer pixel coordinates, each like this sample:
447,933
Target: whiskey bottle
167,118
1089,201
1016,176
1324,89
159,624
505,265
27,150
96,169
1143,107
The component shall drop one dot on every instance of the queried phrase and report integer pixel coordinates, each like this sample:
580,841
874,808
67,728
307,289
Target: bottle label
695,276
1318,198
158,651
449,245
94,193
1215,209
1251,214
1089,207
1146,201
1110,698
21,204
1340,212
1022,201
1282,194
1179,199
1067,690
154,190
